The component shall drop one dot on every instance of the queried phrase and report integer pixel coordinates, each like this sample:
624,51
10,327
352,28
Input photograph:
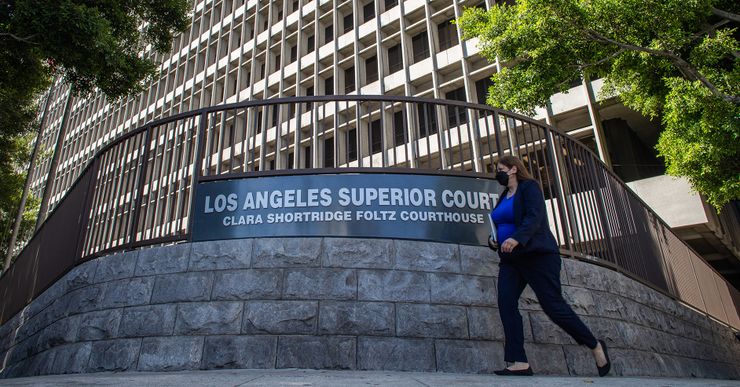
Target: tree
89,44
676,60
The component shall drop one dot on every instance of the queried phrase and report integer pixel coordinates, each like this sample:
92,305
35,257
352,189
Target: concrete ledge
333,303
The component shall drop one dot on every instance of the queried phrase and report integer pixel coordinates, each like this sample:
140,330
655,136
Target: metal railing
138,189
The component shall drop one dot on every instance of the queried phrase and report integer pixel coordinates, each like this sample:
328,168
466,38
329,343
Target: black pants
542,273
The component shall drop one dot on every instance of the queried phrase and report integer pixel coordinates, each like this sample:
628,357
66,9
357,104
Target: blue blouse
503,217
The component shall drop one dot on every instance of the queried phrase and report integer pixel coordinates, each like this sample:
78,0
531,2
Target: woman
530,256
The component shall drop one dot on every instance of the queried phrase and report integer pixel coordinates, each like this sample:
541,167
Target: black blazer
530,217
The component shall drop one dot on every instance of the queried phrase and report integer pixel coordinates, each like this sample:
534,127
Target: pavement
298,377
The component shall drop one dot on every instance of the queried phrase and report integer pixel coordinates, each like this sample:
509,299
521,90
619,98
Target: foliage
90,44
676,60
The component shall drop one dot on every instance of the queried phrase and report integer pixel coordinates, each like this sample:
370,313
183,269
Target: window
456,115
329,86
368,11
329,153
481,89
371,69
395,62
296,4
328,34
293,53
348,23
349,80
277,62
399,129
291,160
309,92
274,116
390,4
352,145
307,157
376,142
310,44
421,47
427,120
447,34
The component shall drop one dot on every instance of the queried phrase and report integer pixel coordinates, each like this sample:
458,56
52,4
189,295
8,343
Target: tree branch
614,55
726,15
27,39
686,68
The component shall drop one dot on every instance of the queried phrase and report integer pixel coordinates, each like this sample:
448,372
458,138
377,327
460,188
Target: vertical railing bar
82,237
200,143
460,148
184,170
232,143
497,133
140,181
428,133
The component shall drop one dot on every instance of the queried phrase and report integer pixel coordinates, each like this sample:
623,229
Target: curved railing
137,190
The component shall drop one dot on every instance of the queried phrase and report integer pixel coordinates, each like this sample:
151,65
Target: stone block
72,358
318,352
287,252
209,318
40,364
580,361
85,299
248,284
395,354
613,332
386,285
182,287
81,275
322,284
116,266
462,289
150,320
423,320
163,260
358,253
48,297
239,352
221,255
127,292
63,331
170,353
477,260
485,324
467,356
547,359
23,350
608,305
528,300
114,355
99,325
580,300
356,318
587,275
280,317
545,331
427,256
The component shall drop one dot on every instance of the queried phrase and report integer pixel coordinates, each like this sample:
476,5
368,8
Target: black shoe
603,370
508,372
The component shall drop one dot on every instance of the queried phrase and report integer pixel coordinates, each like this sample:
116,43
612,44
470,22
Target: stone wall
337,303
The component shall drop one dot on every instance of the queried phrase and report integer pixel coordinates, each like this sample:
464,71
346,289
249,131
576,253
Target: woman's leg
543,276
510,287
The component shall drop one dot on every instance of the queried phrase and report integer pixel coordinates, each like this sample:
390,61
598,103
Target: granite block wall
336,303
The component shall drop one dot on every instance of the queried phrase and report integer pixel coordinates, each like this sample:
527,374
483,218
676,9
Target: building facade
239,50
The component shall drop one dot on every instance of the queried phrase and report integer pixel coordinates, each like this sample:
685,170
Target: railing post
141,180
197,164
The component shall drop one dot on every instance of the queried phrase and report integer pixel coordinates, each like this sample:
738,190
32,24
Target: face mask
502,178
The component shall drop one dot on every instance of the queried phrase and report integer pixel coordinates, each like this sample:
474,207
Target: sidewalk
293,377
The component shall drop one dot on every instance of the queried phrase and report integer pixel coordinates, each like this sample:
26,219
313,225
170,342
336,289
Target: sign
422,207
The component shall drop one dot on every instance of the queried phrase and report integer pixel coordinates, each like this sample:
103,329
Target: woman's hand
493,245
509,245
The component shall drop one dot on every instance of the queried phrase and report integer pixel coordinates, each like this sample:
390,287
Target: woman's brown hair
521,171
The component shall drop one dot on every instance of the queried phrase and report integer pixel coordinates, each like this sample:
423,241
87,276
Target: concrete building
239,50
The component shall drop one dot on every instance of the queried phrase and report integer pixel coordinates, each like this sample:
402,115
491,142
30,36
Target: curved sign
423,207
